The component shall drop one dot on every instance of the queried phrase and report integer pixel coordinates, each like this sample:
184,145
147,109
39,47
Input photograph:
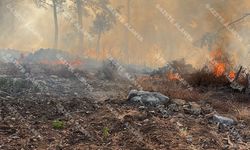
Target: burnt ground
105,119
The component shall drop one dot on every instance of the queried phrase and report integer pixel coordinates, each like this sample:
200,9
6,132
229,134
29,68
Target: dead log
235,85
237,75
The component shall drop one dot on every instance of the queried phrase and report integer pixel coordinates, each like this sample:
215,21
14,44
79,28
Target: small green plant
57,124
105,132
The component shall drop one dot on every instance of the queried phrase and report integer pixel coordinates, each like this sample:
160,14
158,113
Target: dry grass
173,89
204,78
243,114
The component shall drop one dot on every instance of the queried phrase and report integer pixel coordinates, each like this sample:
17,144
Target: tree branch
233,22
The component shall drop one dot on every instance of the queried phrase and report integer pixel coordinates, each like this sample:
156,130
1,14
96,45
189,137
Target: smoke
26,27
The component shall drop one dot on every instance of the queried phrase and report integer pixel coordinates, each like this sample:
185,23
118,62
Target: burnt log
240,85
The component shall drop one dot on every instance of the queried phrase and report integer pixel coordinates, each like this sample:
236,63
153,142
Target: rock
163,111
180,115
192,108
3,94
142,107
223,120
152,112
147,98
173,107
207,109
54,76
179,102
179,124
189,139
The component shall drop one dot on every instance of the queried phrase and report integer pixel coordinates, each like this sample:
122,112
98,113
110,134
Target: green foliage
102,23
57,124
47,3
104,19
105,132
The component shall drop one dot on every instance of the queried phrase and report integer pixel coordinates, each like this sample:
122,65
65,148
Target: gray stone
207,109
223,120
142,107
148,98
179,102
189,139
173,107
192,108
54,76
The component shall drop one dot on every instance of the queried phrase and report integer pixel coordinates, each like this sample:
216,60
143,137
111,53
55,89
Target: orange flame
173,76
231,75
216,54
76,63
219,66
219,69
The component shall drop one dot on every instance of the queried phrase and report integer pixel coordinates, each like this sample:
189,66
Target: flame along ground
221,64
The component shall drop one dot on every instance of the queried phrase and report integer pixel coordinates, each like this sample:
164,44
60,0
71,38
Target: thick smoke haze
25,26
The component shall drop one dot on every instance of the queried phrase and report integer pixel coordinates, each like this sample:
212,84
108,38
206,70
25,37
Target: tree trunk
80,30
56,24
98,42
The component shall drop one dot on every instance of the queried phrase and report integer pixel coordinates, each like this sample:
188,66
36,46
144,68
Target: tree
79,14
79,6
55,23
104,20
56,5
210,38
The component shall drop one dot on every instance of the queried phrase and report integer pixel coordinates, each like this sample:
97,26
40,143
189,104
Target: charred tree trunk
55,23
80,30
238,74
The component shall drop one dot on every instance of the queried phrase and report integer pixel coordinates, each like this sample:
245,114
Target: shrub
105,132
57,124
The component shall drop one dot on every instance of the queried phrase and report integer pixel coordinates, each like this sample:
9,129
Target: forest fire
128,74
173,76
220,62
219,69
231,75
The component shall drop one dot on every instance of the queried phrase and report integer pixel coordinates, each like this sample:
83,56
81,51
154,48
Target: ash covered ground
61,104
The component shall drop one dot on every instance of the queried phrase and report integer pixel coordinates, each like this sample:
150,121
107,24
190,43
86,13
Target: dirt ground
105,119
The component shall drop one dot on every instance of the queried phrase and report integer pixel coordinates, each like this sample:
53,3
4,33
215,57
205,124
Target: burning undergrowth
204,78
220,71
178,78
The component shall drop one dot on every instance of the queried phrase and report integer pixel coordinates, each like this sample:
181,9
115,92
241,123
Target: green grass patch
57,124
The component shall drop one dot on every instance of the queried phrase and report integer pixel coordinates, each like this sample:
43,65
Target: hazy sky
27,27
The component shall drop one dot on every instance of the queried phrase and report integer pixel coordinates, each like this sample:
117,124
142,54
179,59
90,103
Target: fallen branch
237,75
236,86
